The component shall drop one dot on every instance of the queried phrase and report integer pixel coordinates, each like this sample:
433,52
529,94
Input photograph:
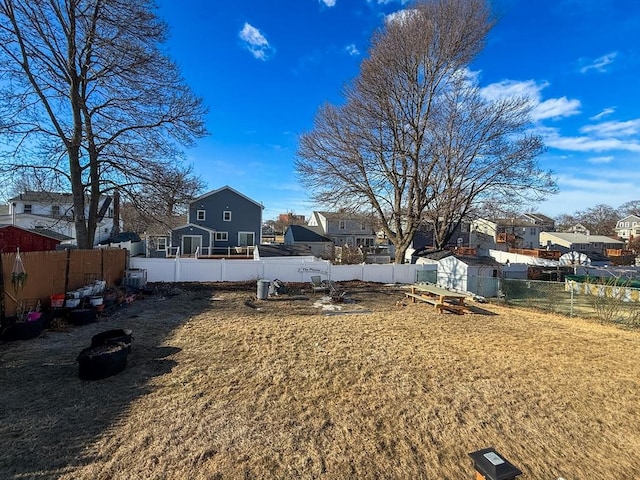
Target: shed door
190,243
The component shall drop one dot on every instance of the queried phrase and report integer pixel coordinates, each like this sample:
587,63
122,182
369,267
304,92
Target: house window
226,216
533,231
161,243
201,215
55,211
110,212
341,225
27,209
222,237
363,226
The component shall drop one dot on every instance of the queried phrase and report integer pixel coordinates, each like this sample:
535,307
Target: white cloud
553,139
604,113
619,129
600,64
513,88
551,108
329,3
352,50
556,108
399,16
255,42
600,160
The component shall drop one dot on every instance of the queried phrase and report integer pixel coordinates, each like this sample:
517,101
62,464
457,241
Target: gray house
220,222
344,228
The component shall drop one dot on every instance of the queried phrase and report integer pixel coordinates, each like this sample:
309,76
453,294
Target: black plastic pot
14,330
82,316
102,361
118,335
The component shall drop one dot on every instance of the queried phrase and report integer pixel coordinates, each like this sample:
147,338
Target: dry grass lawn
221,386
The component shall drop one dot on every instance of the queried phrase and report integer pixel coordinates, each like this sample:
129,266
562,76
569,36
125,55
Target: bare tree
90,100
162,204
599,220
402,147
630,208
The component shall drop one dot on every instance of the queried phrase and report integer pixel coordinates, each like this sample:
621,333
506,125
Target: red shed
12,237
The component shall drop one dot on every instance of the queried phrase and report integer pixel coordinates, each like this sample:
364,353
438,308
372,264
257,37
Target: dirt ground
220,385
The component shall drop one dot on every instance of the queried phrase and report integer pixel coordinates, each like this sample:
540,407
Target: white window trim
224,216
204,215
224,236
161,240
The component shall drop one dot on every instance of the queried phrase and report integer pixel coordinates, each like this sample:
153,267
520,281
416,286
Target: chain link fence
607,302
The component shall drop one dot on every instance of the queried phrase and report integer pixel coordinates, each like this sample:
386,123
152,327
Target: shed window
226,216
201,215
222,236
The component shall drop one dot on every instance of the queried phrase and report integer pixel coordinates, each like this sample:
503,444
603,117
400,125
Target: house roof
46,197
301,233
582,238
265,251
192,225
51,234
226,187
539,218
343,216
630,218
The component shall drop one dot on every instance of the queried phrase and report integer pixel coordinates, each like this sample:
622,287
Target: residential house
308,237
505,233
219,222
54,212
628,228
344,228
566,242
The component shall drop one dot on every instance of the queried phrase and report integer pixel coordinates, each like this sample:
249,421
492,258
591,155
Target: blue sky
264,67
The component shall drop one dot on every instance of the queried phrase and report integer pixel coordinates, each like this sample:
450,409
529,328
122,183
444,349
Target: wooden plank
423,298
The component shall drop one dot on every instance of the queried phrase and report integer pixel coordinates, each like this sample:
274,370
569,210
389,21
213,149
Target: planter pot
118,335
72,302
102,361
21,331
95,300
82,316
57,300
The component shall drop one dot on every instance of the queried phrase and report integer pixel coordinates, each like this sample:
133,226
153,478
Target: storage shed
479,275
13,237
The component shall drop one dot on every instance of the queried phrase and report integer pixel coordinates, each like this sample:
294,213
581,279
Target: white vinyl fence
208,270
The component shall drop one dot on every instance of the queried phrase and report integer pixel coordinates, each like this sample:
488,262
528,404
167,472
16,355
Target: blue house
220,222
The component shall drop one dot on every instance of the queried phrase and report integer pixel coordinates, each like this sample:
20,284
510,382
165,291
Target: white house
628,227
54,212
